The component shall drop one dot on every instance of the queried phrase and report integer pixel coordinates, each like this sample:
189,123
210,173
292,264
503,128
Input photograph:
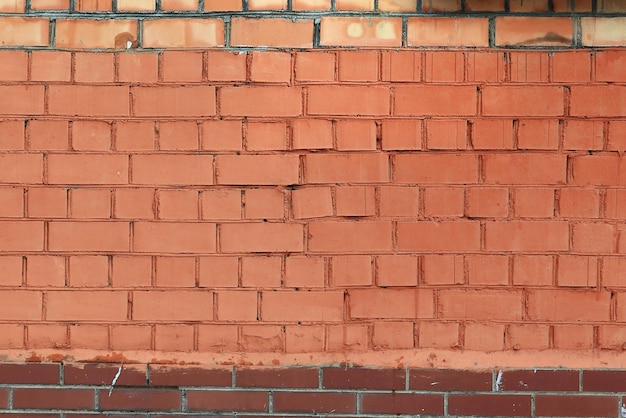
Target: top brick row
428,6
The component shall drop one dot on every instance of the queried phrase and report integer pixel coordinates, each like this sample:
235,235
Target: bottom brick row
145,390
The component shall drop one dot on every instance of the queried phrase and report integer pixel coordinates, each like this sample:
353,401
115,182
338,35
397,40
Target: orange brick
583,135
266,136
445,31
534,203
21,236
258,169
186,101
264,204
358,66
136,5
17,6
270,67
183,33
397,5
532,270
191,5
315,66
222,135
398,201
89,336
83,100
608,64
218,272
441,5
181,66
261,271
484,5
21,31
568,305
398,134
347,337
522,101
304,339
434,236
524,169
351,270
304,272
571,66
278,101
312,134
172,169
429,100
237,305
178,204
175,272
91,136
217,338
401,66
598,31
89,271
438,335
89,236
538,134
597,170
533,31
611,337
93,67
12,336
391,303
488,202
484,337
12,135
13,269
47,135
360,31
426,168
396,270
90,203
528,67
134,203
528,337
444,202
226,66
93,33
262,338
86,305
594,238
44,271
310,5
443,269
346,168
178,136
581,203
527,236
602,100
617,139
480,304
576,271
261,237
134,136
486,66
313,306
47,203
172,305
181,237
267,4
528,6
131,337
21,168
21,305
446,134
492,134
444,66
573,337
348,100
355,201
354,5
87,169
221,204
173,338
132,271
12,202
47,336
488,270
349,237
312,202
138,68
271,32
15,65
356,135
393,335
222,5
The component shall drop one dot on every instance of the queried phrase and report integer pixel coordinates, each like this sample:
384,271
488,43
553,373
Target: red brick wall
395,183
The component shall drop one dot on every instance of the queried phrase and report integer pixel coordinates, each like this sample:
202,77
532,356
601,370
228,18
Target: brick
137,6
396,270
124,399
602,380
186,237
528,6
484,337
106,34
103,374
349,237
351,270
360,31
348,100
358,66
426,168
608,64
492,134
533,31
612,272
82,305
446,134
264,136
172,169
434,236
355,201
571,66
485,66
134,203
17,6
522,101
221,204
529,67
21,236
354,5
240,400
306,272
264,204
138,68
489,404
178,136
573,337
89,336
81,100
315,65
576,271
598,31
488,270
534,203
398,134
602,101
12,135
45,271
175,272
174,338
21,305
583,203
90,203
480,305
429,100
488,202
218,272
449,380
524,169
390,303
30,373
597,170
87,169
93,5
271,32
347,337
261,237
131,271
397,6
443,269
263,338
346,168
528,337
182,66
617,139
135,136
13,202
576,406
527,236
12,268
47,135
22,31
261,272
583,135
270,67
321,402
222,135
93,67
401,66
237,306
393,335
15,66
88,236
297,377
159,306
445,31
398,201
178,204
532,270
312,202
443,202
441,6
594,238
538,134
568,305
131,337
444,66
12,336
355,135
310,306
539,380
259,169
185,101
363,378
226,66
183,33
91,136
89,271
310,5
222,5
243,101
189,376
21,99
49,398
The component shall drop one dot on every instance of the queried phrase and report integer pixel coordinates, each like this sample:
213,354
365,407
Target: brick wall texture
392,206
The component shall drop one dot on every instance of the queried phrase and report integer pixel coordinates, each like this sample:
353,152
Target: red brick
492,134
434,236
528,337
360,31
79,305
307,272
88,236
262,271
222,5
489,404
573,337
480,304
310,5
135,136
602,101
21,99
237,306
613,272
12,268
134,203
486,66
226,66
177,136
348,100
159,305
131,337
277,101
15,66
568,305
124,399
131,271
189,376
527,235
138,68
583,135
12,202
484,337
533,270
350,337
355,201
352,5
446,134
222,135
172,169
24,31
42,270
88,33
218,272
609,65
183,33
533,31
240,400
391,303
48,398
538,134
576,271
12,336
12,135
351,270
262,338
488,202
270,67
363,378
21,236
358,66
175,272
103,374
617,136
312,202
277,377
89,271
310,306
398,201
257,169
34,373
315,66
444,66
443,269
594,238
524,168
264,204
221,204
21,306
89,336
443,202
355,135
174,338
261,237
81,100
571,66
181,237
92,67
185,101
178,204
347,168
427,168
488,270
539,380
90,203
400,134
429,100
91,136
349,237
576,406
449,380
582,203
522,101
396,270
47,135
597,170
528,67
266,136
603,380
320,402
393,335
276,32
533,202
182,66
